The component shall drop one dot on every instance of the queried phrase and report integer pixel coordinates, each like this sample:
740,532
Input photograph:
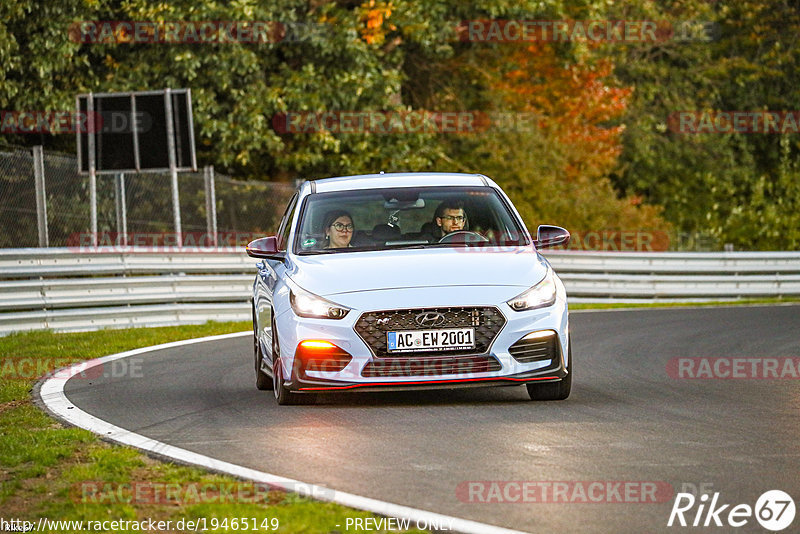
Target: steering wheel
463,236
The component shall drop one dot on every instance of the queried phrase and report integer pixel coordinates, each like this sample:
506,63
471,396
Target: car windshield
379,219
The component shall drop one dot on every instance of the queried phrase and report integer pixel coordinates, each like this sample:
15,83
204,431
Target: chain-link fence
138,206
18,227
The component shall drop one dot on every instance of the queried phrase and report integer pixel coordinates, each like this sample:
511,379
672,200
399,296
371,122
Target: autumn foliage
575,101
559,172
374,24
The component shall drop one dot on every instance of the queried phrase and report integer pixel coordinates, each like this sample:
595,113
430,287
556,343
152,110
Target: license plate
419,340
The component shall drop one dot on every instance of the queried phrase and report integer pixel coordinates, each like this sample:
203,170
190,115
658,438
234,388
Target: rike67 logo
774,510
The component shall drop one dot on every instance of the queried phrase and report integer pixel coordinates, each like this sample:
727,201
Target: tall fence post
173,166
41,196
121,209
92,127
211,203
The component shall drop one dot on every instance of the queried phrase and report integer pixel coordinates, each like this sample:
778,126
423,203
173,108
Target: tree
714,183
558,137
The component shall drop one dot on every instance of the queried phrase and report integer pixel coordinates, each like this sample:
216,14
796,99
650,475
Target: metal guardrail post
41,196
211,203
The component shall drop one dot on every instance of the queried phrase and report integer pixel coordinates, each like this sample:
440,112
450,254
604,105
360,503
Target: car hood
347,272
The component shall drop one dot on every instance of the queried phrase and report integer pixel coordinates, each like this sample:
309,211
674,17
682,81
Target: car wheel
263,380
282,393
553,390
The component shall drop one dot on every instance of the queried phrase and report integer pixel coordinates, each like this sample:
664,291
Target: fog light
323,356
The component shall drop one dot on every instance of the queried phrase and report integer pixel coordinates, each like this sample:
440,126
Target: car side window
286,224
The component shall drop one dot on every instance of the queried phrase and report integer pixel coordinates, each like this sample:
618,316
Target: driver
449,217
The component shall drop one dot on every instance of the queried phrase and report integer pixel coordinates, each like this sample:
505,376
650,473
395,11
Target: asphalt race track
627,420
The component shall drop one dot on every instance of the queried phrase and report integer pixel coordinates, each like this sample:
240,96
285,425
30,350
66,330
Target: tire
283,396
550,391
263,380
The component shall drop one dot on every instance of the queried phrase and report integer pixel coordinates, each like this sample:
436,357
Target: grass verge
51,471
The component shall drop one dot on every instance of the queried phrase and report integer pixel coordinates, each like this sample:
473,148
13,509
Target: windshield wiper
406,246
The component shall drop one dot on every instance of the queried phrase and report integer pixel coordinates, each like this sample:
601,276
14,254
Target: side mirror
551,236
265,247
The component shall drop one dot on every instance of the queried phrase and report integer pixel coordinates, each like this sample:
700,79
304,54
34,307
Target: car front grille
430,366
373,326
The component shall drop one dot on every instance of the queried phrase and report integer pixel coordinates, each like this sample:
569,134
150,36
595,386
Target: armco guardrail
64,290
676,276
61,289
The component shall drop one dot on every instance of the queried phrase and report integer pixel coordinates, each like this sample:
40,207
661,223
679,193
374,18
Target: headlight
307,304
541,295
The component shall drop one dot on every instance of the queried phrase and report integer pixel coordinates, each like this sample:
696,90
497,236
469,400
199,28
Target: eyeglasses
343,227
455,218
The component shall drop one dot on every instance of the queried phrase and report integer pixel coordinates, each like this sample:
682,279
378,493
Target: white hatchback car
404,281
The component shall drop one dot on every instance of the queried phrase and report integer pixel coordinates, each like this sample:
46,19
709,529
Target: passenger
338,229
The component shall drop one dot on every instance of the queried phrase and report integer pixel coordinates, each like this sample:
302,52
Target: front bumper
502,369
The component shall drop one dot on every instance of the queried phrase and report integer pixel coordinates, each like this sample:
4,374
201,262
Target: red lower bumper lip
424,382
